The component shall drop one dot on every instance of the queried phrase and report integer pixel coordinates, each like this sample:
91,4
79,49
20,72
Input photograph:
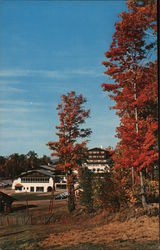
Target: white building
37,180
43,179
97,160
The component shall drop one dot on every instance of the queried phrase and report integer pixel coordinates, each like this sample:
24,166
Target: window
23,179
18,188
35,179
39,189
31,189
46,180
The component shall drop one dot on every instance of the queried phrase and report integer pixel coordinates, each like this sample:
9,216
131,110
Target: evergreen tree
86,177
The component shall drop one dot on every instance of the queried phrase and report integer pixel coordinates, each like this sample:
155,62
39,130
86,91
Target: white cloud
6,82
16,122
57,74
13,73
7,107
20,103
21,133
19,110
13,90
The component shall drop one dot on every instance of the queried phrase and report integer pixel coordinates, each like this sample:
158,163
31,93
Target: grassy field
31,196
96,231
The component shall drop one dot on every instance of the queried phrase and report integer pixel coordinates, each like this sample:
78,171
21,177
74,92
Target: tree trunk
71,195
132,171
144,204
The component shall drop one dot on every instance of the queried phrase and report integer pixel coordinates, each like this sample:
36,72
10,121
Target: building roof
99,149
54,161
19,185
45,172
41,171
48,167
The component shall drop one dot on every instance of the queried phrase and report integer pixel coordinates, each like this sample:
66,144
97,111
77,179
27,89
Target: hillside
127,230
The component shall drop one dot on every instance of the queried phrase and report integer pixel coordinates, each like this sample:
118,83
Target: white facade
39,180
97,160
97,168
32,186
61,184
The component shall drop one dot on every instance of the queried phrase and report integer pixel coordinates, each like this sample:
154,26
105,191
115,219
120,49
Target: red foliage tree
69,148
131,65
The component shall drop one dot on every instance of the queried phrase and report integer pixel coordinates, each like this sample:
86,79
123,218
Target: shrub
151,189
108,192
86,197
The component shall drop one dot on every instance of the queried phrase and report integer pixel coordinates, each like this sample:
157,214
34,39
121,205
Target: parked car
61,196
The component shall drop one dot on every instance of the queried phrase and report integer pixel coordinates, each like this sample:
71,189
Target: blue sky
47,49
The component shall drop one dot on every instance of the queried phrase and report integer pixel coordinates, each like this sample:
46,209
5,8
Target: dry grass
81,231
135,230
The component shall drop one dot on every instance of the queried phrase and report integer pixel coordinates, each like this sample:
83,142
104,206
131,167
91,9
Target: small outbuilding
6,202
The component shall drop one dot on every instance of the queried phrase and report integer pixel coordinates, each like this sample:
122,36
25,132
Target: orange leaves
71,115
135,89
109,87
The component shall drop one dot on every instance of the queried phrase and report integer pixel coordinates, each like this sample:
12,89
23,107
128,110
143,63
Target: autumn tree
131,63
71,145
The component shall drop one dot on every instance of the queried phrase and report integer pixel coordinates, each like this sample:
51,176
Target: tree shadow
118,245
23,207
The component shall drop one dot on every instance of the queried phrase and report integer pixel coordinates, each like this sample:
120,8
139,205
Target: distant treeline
13,165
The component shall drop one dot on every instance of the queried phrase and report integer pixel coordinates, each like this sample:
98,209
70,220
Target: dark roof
45,172
48,167
99,149
54,161
6,197
42,171
19,185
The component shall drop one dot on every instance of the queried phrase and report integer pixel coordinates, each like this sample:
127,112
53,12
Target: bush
86,197
151,191
108,192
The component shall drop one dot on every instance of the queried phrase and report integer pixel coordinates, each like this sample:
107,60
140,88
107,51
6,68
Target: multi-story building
97,160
